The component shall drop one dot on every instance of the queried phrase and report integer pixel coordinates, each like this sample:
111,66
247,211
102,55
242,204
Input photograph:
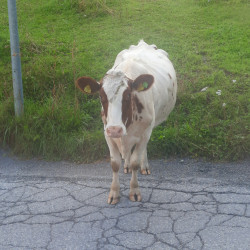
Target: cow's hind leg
144,163
127,168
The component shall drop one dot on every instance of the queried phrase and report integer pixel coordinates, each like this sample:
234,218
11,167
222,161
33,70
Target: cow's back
147,59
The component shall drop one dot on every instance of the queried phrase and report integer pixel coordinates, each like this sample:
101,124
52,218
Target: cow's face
116,97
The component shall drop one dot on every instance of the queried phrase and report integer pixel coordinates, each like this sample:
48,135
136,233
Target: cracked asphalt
186,204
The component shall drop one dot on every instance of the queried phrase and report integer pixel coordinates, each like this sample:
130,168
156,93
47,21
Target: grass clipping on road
207,41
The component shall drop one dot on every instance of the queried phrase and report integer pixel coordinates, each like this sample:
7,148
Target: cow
137,94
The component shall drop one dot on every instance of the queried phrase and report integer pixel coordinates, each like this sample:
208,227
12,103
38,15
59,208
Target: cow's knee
135,165
115,165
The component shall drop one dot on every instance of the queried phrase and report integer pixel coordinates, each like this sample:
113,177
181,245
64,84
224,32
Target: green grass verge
208,43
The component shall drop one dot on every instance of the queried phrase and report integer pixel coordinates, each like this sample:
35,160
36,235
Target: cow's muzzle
114,131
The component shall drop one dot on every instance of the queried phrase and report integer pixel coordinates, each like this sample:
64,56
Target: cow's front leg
135,193
136,158
114,194
115,160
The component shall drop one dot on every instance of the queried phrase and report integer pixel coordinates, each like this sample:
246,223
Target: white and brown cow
137,94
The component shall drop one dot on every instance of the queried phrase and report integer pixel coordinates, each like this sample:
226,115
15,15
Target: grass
61,40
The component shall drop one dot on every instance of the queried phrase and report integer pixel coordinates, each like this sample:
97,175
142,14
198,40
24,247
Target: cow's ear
88,85
143,82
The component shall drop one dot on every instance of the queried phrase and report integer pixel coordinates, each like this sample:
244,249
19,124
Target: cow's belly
162,111
164,94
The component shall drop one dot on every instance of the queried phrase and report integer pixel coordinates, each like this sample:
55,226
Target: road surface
186,204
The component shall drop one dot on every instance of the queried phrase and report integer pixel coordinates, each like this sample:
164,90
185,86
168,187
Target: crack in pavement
62,212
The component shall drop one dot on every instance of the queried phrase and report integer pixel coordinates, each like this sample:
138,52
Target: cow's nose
114,131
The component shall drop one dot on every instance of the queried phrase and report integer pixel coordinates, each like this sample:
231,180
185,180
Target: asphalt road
186,204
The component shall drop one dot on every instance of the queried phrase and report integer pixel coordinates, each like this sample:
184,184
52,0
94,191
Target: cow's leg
135,193
144,163
115,160
129,152
127,168
136,157
114,194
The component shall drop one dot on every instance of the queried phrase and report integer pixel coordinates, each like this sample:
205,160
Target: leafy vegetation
61,40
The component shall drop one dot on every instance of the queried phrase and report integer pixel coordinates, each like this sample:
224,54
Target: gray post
15,58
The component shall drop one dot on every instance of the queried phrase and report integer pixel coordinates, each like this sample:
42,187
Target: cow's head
116,91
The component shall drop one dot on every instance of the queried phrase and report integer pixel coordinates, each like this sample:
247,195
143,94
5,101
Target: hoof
113,201
135,196
127,170
114,196
145,171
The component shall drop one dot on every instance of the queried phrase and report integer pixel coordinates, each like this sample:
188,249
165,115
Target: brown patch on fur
138,104
135,166
126,107
115,166
140,118
169,76
104,101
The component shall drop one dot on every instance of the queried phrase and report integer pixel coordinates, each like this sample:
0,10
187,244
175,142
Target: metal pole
15,58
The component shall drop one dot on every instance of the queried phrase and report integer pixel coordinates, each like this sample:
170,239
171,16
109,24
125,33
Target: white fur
114,84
